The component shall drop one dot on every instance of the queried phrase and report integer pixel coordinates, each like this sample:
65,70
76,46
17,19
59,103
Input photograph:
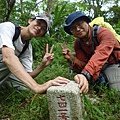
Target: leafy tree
94,7
60,12
109,9
57,11
113,14
5,9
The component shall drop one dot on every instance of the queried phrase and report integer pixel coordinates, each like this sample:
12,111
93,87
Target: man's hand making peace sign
66,52
48,57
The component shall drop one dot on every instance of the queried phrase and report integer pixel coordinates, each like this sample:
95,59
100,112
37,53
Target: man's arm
18,70
16,67
47,59
37,71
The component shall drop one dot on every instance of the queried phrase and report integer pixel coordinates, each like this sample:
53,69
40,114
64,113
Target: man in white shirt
16,68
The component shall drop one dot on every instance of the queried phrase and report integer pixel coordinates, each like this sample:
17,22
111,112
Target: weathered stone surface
64,102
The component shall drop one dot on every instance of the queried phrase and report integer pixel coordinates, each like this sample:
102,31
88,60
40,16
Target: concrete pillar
64,102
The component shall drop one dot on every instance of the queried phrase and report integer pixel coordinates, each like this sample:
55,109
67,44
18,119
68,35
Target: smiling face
37,28
79,28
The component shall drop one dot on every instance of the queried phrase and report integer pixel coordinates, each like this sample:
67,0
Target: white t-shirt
7,31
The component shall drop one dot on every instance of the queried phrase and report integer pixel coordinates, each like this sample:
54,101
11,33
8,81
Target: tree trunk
50,6
9,6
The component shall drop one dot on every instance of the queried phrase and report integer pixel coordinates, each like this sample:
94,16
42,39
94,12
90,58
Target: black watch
87,75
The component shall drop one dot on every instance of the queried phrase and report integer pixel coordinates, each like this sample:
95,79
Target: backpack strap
80,46
25,47
95,41
17,31
94,36
16,35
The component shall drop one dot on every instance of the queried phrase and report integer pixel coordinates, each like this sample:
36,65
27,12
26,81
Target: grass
101,103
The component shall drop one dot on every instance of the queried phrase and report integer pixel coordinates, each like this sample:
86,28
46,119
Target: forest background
24,105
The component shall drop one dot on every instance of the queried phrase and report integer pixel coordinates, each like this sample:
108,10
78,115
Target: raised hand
66,52
48,57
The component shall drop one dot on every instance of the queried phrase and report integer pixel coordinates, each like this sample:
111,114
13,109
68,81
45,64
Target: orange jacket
102,53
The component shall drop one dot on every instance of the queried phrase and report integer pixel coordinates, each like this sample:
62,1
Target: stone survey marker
64,102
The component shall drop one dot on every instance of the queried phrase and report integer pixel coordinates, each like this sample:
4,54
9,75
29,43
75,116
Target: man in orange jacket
89,59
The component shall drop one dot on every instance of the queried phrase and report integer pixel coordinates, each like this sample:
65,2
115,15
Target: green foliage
24,105
103,107
118,27
22,12
114,14
58,16
100,104
59,67
2,10
39,45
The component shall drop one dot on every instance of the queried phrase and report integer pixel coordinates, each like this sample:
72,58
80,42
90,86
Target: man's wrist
72,59
42,65
87,75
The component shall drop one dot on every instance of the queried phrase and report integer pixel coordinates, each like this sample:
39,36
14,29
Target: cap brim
67,30
42,18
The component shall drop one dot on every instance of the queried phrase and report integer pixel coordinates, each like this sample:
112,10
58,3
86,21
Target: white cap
45,18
